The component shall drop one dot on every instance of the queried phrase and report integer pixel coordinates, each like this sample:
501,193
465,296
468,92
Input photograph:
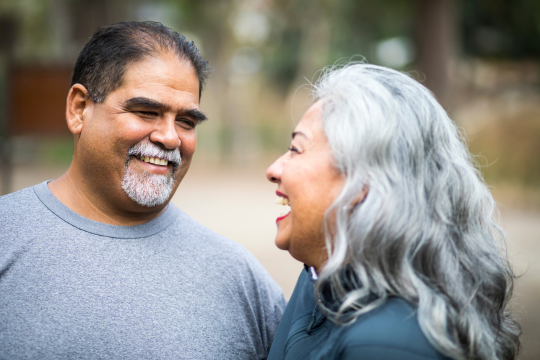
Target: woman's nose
273,173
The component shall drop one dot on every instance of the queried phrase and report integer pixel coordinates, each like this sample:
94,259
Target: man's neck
75,194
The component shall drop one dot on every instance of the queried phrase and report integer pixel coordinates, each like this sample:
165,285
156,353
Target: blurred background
481,58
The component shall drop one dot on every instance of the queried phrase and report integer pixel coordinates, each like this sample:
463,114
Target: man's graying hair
425,231
102,62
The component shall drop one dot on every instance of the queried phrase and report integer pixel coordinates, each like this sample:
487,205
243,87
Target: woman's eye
293,149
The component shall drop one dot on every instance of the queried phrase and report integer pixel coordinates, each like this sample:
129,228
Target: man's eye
186,122
148,113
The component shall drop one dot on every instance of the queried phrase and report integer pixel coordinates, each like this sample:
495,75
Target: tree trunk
436,42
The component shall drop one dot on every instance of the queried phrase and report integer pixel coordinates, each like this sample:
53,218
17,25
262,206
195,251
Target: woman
395,227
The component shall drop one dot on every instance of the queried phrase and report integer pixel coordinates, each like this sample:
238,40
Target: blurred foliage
57,151
282,57
501,28
357,24
354,28
492,28
302,36
208,19
48,150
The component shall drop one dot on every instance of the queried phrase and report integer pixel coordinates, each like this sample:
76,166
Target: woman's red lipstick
280,194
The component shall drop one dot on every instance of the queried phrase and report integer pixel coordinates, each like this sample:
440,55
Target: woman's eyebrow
298,133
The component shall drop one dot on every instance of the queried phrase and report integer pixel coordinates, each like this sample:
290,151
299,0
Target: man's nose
166,134
273,173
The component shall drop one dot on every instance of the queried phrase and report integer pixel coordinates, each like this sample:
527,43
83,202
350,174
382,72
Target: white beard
149,189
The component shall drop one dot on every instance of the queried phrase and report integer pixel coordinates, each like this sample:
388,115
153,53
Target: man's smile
153,165
152,160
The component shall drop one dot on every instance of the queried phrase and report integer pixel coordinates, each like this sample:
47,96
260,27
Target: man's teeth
282,201
151,160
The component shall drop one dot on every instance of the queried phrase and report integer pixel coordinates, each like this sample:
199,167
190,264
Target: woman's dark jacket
391,331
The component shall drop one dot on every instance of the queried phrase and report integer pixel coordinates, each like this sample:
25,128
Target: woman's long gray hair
425,230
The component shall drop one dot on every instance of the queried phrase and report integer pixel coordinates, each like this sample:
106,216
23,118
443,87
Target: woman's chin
282,243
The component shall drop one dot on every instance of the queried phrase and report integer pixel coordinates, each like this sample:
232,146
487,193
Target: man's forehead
167,58
151,66
162,80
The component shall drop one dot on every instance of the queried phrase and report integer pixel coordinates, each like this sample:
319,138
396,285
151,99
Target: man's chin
147,189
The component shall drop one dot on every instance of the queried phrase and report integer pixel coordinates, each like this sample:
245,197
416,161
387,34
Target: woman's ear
361,196
77,102
358,199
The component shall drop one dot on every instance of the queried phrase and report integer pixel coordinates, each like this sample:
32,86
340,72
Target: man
98,263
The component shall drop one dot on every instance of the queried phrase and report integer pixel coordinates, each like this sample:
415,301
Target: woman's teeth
151,160
283,201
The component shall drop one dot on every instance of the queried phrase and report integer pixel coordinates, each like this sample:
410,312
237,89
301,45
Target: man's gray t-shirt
71,287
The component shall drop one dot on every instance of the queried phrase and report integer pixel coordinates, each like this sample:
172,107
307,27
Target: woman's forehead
311,122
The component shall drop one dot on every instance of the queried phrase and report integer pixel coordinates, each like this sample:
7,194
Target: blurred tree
8,36
435,40
358,25
335,29
301,37
209,20
301,45
501,29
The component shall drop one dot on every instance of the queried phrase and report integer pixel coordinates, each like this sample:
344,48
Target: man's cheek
189,143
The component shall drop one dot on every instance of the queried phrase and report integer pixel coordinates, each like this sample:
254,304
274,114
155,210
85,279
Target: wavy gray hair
425,230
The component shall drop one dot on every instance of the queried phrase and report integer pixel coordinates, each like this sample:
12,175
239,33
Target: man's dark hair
102,62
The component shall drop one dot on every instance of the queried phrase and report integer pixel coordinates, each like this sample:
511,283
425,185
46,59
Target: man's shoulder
228,262
213,248
190,231
390,329
17,199
22,203
21,215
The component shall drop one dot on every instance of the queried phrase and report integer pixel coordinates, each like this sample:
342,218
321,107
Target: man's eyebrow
196,114
146,102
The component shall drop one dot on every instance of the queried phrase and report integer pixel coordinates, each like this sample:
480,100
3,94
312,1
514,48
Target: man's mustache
147,148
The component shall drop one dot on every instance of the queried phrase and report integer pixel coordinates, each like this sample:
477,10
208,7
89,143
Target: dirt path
523,232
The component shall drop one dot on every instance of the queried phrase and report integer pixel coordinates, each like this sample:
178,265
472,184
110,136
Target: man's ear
77,102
